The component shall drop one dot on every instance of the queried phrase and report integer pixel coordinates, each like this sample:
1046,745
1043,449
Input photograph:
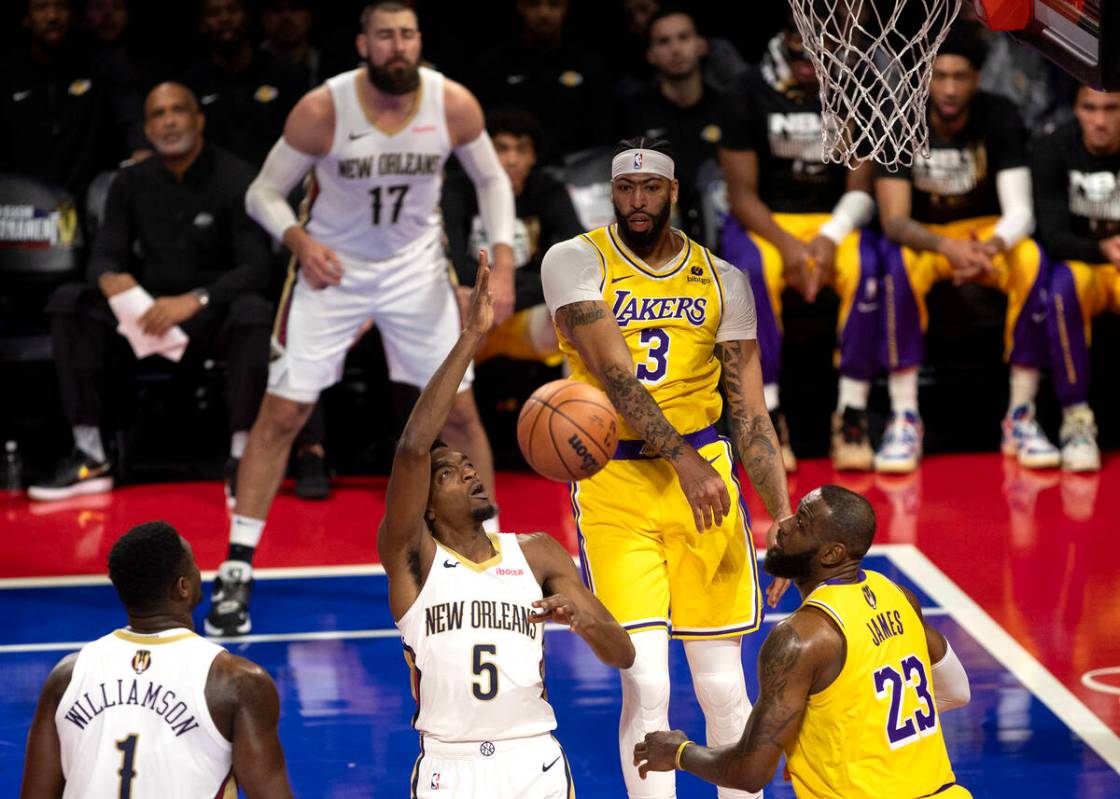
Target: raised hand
480,311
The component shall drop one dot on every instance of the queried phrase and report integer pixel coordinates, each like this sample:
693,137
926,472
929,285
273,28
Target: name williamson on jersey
483,614
391,164
163,702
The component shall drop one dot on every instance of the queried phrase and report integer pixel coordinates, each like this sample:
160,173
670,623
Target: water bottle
13,468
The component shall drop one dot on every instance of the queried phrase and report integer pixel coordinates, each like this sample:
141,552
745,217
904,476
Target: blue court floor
328,640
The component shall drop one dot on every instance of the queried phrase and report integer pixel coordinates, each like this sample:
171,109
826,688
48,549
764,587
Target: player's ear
833,554
674,191
362,43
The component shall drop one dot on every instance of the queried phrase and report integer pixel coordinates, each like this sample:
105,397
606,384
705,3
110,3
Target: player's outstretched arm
567,601
246,708
402,528
792,659
950,681
592,329
42,765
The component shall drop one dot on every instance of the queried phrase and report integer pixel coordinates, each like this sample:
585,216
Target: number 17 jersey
875,731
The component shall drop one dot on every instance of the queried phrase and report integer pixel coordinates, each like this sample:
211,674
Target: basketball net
873,60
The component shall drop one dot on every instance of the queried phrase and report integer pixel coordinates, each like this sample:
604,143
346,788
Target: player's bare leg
464,432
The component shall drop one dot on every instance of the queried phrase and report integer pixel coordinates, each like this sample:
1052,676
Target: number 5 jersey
134,720
875,731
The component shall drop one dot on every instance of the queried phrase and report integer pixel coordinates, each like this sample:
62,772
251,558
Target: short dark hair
644,143
437,444
669,10
851,519
965,39
388,6
516,123
144,564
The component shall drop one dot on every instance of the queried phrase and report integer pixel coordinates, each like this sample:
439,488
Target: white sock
853,393
1024,386
1075,408
237,443
903,388
87,438
492,525
770,394
645,708
245,531
721,690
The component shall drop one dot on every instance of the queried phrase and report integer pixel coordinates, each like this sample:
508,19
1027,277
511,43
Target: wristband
680,751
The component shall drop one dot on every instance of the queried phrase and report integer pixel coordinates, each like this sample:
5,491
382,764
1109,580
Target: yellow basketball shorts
645,561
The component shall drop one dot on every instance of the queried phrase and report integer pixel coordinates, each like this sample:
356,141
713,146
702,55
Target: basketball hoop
873,60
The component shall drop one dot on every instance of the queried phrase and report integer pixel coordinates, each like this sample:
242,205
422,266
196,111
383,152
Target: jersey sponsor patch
141,661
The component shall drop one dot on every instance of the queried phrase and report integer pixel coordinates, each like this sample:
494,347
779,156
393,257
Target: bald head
172,120
848,519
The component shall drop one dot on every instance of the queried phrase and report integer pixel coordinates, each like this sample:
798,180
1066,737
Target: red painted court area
1038,551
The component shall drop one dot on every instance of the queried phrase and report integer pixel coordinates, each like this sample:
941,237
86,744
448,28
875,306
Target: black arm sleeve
252,257
1055,232
114,238
458,204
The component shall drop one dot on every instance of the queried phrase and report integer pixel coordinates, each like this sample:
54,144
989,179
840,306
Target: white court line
1011,655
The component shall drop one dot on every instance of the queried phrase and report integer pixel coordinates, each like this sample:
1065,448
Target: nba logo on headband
637,161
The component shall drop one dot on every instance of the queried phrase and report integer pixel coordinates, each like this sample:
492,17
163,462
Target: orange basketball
567,430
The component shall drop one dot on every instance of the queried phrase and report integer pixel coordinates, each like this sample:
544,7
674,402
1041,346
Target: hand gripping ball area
567,430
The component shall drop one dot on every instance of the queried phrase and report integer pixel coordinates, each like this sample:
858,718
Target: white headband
635,162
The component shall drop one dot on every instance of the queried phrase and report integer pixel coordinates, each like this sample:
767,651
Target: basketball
567,430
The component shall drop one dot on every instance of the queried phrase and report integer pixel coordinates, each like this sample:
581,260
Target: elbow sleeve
950,682
1016,205
266,200
495,193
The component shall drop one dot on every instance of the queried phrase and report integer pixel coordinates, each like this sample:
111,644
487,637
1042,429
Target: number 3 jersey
476,656
874,732
134,720
376,193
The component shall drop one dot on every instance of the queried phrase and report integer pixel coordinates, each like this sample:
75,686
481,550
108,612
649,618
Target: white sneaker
1024,439
901,449
1080,452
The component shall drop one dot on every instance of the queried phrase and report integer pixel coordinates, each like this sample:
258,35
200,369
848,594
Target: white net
874,60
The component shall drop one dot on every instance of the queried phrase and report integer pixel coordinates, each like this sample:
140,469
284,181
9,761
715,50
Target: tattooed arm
802,655
751,429
593,331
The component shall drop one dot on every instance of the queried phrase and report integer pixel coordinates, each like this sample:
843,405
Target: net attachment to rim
874,60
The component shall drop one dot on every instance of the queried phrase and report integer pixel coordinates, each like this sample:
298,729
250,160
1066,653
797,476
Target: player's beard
645,240
393,81
485,513
793,567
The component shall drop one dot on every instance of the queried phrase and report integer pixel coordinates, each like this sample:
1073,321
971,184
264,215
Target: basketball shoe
778,419
901,450
76,474
851,446
1080,452
1024,439
229,600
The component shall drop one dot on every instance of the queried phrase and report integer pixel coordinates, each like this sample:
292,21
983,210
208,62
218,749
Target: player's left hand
502,283
779,585
480,314
658,752
822,250
166,312
557,608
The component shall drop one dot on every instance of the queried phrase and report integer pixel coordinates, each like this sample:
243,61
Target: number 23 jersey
376,193
476,656
874,732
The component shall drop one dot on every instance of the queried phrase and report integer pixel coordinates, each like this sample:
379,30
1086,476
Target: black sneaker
229,601
851,446
312,480
76,474
232,466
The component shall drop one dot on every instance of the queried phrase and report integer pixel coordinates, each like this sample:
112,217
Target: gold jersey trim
484,565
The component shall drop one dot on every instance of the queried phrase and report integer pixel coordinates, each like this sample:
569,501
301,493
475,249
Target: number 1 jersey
134,720
874,732
375,195
476,655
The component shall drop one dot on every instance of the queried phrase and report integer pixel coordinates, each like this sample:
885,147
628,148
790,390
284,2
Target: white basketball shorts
521,768
409,297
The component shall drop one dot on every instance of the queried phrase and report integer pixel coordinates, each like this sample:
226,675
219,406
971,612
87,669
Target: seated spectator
65,115
678,105
246,93
545,216
563,85
175,225
800,223
106,23
963,213
287,25
1076,174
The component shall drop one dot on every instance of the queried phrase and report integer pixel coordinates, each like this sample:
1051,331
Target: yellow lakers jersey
875,732
669,319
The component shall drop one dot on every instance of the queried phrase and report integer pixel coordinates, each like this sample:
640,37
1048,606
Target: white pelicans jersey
134,720
376,193
476,655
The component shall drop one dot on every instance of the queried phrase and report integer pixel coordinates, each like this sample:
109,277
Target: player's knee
281,418
720,690
650,688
